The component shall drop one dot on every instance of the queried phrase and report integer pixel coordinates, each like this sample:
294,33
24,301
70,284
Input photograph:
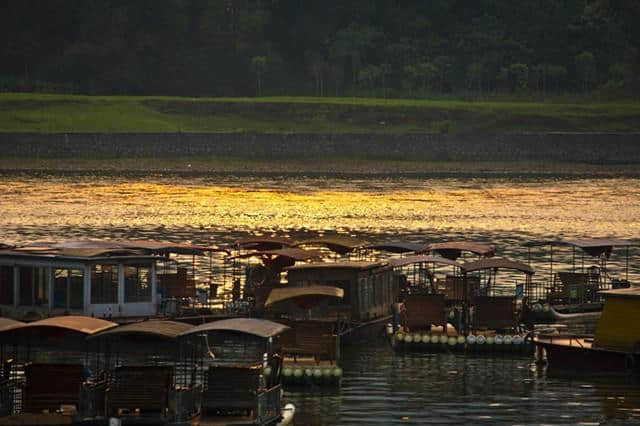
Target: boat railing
185,402
145,389
580,340
269,405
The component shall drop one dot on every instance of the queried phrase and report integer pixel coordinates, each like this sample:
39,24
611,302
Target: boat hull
588,359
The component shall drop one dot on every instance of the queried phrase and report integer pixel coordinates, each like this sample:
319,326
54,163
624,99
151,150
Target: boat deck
565,340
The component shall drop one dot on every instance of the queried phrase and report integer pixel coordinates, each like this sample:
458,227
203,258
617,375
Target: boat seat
494,312
423,310
229,388
139,388
48,386
311,338
454,288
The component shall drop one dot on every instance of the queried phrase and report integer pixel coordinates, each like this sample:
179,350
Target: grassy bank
322,166
67,113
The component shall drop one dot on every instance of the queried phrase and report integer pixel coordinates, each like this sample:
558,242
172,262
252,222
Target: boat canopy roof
265,243
592,246
154,328
76,323
627,293
281,294
397,246
166,247
8,324
337,243
257,327
499,263
92,249
421,258
293,253
336,265
453,249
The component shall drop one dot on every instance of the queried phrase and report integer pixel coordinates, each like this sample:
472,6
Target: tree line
385,48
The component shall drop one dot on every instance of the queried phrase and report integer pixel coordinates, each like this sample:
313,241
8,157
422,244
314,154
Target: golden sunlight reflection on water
581,207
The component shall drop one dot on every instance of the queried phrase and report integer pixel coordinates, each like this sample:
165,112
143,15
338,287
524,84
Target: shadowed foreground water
378,387
381,387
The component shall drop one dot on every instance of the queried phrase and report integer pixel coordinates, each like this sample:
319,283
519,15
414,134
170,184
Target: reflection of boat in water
564,295
467,313
615,347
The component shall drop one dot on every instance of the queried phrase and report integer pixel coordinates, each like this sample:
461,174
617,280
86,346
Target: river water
378,387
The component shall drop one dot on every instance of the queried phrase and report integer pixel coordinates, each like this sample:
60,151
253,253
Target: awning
313,293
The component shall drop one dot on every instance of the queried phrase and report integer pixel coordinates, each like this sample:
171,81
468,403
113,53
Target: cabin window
137,285
379,290
68,290
364,293
40,287
104,284
26,286
344,285
34,289
6,285
76,286
60,288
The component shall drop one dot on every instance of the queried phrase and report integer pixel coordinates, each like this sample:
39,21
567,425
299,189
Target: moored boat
615,347
146,376
573,288
49,363
241,372
119,280
311,347
488,320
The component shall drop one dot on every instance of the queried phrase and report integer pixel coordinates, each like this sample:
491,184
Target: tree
259,67
474,76
519,76
586,69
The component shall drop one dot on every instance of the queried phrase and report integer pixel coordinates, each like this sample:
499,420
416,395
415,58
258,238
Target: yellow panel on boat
619,325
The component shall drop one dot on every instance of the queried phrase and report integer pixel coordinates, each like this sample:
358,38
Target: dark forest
381,48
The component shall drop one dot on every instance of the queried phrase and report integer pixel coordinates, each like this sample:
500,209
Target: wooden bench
142,389
230,388
574,286
312,338
48,386
454,288
494,312
423,310
180,284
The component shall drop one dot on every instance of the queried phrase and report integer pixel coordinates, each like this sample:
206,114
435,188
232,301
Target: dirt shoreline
325,166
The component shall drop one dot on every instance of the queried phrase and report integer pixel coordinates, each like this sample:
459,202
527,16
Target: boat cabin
578,275
460,249
241,371
369,288
107,279
46,363
618,327
147,375
492,305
